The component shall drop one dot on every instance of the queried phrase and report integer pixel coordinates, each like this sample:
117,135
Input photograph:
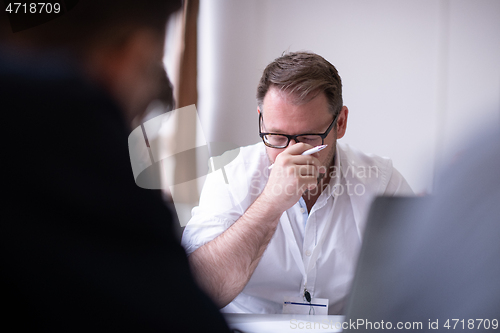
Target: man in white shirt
263,236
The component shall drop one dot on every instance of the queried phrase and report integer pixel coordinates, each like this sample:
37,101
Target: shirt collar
336,175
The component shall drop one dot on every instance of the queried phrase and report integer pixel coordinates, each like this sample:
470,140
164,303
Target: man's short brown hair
302,75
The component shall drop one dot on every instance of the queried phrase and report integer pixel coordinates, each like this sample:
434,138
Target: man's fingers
297,148
309,182
307,170
300,165
306,160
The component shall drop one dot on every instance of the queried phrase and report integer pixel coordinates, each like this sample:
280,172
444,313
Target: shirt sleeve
398,186
226,195
212,216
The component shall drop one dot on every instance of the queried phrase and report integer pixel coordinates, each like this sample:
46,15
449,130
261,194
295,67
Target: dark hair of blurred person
82,247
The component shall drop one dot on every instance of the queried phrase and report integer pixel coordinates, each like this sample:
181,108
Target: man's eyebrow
277,131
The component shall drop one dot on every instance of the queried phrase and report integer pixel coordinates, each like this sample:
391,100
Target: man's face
280,115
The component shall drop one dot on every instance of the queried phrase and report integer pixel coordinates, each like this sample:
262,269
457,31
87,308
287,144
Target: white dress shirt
317,249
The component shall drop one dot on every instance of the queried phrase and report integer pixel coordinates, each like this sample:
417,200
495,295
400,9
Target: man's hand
291,176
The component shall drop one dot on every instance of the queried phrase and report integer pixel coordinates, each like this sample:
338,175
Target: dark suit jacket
82,247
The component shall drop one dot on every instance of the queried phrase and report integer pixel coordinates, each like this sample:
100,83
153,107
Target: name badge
297,305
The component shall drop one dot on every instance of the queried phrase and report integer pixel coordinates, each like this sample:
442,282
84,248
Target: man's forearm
223,266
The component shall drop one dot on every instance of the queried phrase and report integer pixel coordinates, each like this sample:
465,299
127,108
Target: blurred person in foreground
442,270
82,247
262,237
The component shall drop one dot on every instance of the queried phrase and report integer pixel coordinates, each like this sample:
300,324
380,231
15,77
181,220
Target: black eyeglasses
276,140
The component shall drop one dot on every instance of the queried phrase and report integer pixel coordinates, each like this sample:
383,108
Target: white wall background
418,76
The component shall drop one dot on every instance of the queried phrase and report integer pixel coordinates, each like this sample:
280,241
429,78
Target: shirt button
302,210
308,253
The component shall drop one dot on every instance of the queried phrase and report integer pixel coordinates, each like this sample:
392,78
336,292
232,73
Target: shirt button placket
309,244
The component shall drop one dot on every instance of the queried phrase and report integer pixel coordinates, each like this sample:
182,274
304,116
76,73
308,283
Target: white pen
308,152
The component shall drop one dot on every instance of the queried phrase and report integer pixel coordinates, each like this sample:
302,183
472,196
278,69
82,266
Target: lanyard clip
307,295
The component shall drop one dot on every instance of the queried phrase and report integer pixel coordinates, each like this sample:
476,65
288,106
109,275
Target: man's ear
342,122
